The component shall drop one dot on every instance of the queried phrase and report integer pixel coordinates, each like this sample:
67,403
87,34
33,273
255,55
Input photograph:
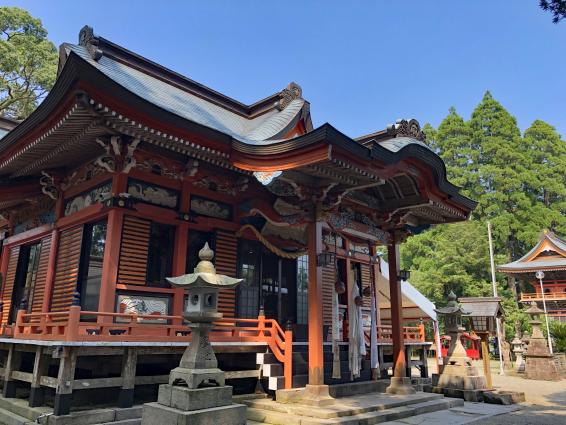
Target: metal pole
494,286
545,316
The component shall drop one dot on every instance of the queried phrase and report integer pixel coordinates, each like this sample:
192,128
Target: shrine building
127,168
549,257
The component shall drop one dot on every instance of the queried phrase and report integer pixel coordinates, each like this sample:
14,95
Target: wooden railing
78,325
410,333
550,296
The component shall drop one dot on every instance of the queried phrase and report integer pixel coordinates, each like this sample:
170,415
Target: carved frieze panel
93,196
210,208
82,174
223,185
150,305
35,213
152,194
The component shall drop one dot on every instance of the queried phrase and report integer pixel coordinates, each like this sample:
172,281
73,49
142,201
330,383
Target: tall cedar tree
28,63
520,185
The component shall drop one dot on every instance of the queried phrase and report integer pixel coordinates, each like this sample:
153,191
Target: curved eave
531,269
77,75
284,154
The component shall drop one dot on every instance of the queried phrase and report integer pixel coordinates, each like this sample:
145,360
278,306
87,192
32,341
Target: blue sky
361,64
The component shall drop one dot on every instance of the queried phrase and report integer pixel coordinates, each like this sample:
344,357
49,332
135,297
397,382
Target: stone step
21,407
124,422
303,415
346,407
10,418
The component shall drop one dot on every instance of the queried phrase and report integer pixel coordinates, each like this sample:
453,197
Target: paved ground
545,401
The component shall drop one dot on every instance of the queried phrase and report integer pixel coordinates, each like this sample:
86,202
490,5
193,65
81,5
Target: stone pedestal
184,406
518,350
539,363
462,381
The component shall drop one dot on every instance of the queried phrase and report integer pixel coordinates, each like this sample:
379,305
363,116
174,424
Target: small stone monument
196,393
517,344
539,363
457,377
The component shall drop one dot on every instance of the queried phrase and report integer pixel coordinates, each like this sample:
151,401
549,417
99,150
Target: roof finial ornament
286,96
407,128
90,41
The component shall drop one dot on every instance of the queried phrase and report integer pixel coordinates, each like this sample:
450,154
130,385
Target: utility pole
494,285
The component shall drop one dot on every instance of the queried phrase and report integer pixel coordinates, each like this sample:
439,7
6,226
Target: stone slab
157,414
187,399
467,395
503,397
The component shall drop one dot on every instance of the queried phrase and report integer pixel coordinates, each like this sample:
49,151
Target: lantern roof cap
533,309
452,306
204,275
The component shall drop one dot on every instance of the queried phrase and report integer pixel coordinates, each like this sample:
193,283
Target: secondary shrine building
127,168
548,288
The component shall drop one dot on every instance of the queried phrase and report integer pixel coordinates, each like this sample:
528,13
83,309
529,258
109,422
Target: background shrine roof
548,254
482,306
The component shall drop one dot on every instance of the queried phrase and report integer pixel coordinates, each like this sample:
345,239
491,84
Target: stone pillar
400,383
518,349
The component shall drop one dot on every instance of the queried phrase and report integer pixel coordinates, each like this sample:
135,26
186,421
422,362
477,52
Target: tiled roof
268,126
482,306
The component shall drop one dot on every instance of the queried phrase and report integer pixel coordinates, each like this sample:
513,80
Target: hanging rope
277,251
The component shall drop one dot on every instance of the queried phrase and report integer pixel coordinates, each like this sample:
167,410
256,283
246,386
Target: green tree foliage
520,185
556,7
28,62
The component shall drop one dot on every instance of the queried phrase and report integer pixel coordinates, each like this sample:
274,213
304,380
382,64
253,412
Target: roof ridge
98,46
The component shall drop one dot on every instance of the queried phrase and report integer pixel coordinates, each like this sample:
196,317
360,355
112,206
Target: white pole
494,286
545,316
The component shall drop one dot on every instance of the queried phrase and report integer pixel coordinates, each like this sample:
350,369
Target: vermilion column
400,383
179,265
110,262
316,357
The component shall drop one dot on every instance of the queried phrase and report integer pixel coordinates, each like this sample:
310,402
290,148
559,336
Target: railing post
74,319
422,336
288,366
261,322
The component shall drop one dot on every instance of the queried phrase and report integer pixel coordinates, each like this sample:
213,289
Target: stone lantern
539,363
457,377
196,392
517,344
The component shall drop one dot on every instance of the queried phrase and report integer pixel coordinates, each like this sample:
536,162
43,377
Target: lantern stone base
542,367
194,378
183,406
401,386
460,380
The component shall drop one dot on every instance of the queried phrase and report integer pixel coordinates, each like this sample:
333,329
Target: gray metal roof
3,132
398,143
268,126
482,306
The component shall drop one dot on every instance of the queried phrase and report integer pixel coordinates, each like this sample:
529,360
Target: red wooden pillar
316,356
400,383
179,265
110,262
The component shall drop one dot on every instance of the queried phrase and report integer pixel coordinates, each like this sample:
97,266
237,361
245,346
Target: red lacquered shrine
127,168
549,257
